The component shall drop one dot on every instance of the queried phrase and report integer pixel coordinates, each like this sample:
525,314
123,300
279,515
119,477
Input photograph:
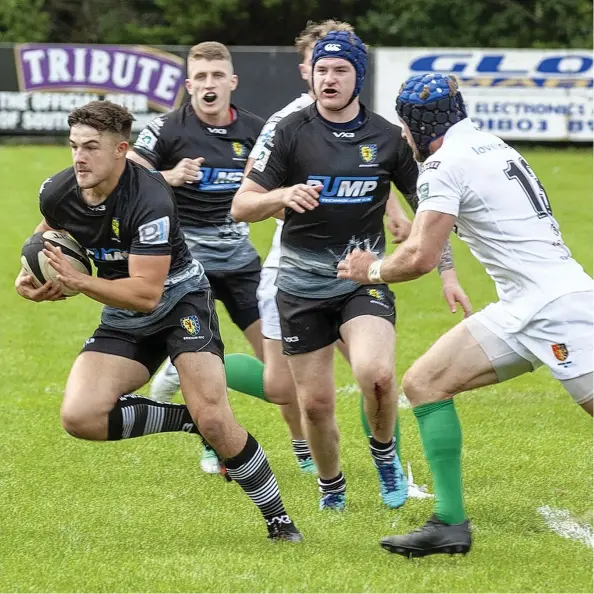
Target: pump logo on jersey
191,324
560,351
368,152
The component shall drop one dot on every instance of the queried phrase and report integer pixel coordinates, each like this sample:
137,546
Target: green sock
245,374
442,441
367,428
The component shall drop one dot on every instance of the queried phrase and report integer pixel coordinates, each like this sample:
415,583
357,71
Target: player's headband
345,45
430,104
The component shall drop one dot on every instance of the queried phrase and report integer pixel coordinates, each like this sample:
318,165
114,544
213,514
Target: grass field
139,516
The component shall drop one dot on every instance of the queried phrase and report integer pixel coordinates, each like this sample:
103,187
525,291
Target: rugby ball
37,265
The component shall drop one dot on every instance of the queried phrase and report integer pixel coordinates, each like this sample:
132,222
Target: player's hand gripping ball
37,263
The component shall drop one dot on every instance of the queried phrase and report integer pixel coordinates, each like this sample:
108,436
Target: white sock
165,383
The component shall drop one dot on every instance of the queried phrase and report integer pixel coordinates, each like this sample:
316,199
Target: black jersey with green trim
355,166
182,135
138,218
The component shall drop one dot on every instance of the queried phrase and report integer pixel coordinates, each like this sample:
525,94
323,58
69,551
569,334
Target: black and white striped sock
301,449
250,469
382,453
134,416
335,485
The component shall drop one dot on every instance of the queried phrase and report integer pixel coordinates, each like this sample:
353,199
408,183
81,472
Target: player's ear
304,72
122,149
234,82
188,86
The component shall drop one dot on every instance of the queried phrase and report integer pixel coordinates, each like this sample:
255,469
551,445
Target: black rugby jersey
181,134
138,217
355,168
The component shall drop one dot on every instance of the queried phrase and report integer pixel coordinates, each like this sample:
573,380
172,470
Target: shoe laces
388,475
332,499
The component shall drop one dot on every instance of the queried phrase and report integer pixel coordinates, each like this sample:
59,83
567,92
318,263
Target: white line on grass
561,522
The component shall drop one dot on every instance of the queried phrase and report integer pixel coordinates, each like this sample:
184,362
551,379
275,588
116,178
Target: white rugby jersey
504,216
273,258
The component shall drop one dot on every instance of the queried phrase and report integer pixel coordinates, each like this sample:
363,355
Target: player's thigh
473,354
195,347
561,335
313,374
278,381
307,325
367,328
99,377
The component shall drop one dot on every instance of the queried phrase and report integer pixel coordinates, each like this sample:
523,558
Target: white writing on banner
47,112
516,94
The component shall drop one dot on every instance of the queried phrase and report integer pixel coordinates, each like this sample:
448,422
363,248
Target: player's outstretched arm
141,292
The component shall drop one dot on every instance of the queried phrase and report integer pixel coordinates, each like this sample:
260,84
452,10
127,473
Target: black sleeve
272,163
405,174
151,219
152,142
47,203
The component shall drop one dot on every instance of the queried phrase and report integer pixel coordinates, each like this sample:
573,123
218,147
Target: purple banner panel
156,74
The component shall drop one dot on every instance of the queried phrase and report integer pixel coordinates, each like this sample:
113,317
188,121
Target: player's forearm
447,259
394,209
126,293
407,263
169,176
251,206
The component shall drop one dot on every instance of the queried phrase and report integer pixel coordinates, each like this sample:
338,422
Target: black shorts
191,326
237,290
311,324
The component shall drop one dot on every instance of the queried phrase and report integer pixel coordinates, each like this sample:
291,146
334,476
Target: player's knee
279,387
378,379
77,422
414,387
317,410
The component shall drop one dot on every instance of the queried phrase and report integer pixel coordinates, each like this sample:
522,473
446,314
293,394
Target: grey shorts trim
506,362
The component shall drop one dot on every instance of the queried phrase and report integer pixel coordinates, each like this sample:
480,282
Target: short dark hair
104,116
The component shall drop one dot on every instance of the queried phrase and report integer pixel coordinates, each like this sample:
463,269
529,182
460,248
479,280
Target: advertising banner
516,94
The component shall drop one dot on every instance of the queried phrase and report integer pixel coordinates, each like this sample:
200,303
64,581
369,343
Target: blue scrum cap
346,45
430,104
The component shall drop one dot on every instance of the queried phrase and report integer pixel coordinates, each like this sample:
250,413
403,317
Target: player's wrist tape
373,272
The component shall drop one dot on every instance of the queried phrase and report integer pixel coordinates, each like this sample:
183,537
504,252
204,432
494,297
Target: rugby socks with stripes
245,374
251,471
134,416
441,436
367,428
301,449
382,453
334,485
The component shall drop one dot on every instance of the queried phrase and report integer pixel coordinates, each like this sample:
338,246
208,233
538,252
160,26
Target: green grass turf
139,516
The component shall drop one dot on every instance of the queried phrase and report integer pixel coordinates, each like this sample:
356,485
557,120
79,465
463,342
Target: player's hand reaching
355,266
454,293
51,291
302,197
67,274
399,228
186,171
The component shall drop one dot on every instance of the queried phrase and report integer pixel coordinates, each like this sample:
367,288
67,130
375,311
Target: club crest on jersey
368,152
376,294
191,324
115,228
238,149
560,351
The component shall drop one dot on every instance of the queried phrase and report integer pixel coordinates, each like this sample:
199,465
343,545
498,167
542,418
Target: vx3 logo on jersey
344,190
217,130
344,134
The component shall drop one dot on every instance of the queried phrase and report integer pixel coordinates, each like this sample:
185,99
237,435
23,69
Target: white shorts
560,336
267,304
